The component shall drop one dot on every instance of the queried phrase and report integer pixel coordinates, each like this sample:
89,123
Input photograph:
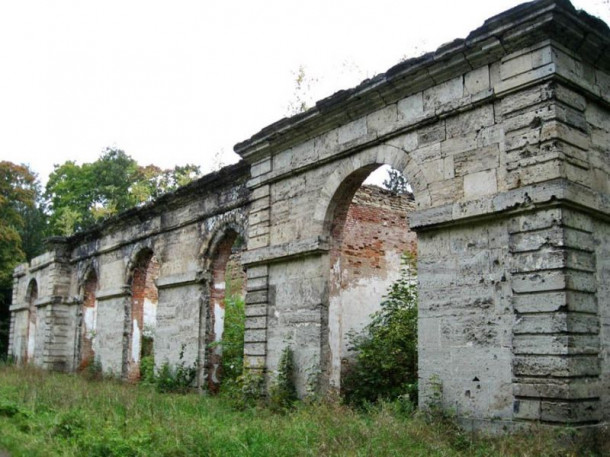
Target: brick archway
32,322
141,318
87,322
369,234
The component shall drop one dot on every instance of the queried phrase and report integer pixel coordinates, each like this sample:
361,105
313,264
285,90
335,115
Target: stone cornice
107,294
42,302
295,249
516,28
555,192
182,279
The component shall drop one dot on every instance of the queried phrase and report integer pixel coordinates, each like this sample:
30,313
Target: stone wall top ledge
20,270
50,300
519,27
107,294
18,307
181,279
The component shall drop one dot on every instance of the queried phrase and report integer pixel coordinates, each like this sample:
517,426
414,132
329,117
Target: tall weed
49,414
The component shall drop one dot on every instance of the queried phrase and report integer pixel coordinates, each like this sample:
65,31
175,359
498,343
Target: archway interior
88,321
226,315
143,319
32,296
369,234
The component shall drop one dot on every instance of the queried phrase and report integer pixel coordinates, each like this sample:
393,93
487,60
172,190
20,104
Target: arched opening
88,318
31,297
369,238
225,313
143,313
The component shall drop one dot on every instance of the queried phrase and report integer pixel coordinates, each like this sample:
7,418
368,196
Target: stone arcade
505,139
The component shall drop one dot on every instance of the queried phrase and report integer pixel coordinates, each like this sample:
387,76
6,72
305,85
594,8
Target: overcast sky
175,82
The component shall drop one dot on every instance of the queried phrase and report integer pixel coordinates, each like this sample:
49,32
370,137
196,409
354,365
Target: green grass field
47,414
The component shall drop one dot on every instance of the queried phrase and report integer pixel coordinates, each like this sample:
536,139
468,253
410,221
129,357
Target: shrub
247,390
92,370
385,363
178,378
283,392
147,369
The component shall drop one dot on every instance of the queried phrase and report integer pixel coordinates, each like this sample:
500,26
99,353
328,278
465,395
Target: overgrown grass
46,414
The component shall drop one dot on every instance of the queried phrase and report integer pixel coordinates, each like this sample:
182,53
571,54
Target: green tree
70,196
18,192
35,226
396,182
81,195
385,364
114,173
233,338
151,181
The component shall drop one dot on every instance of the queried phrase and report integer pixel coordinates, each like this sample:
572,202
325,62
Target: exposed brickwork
226,273
87,354
236,276
365,229
30,346
145,272
369,233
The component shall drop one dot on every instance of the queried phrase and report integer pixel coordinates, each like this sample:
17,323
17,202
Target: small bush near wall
176,378
283,392
385,363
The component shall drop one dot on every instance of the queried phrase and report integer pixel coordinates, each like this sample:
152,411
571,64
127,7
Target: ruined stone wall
504,138
40,324
177,231
494,133
601,241
143,312
598,247
87,323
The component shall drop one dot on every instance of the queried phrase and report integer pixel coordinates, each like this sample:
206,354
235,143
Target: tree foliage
18,194
396,182
76,196
19,190
385,364
81,195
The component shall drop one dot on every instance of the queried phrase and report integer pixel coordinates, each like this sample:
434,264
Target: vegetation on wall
396,182
384,366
